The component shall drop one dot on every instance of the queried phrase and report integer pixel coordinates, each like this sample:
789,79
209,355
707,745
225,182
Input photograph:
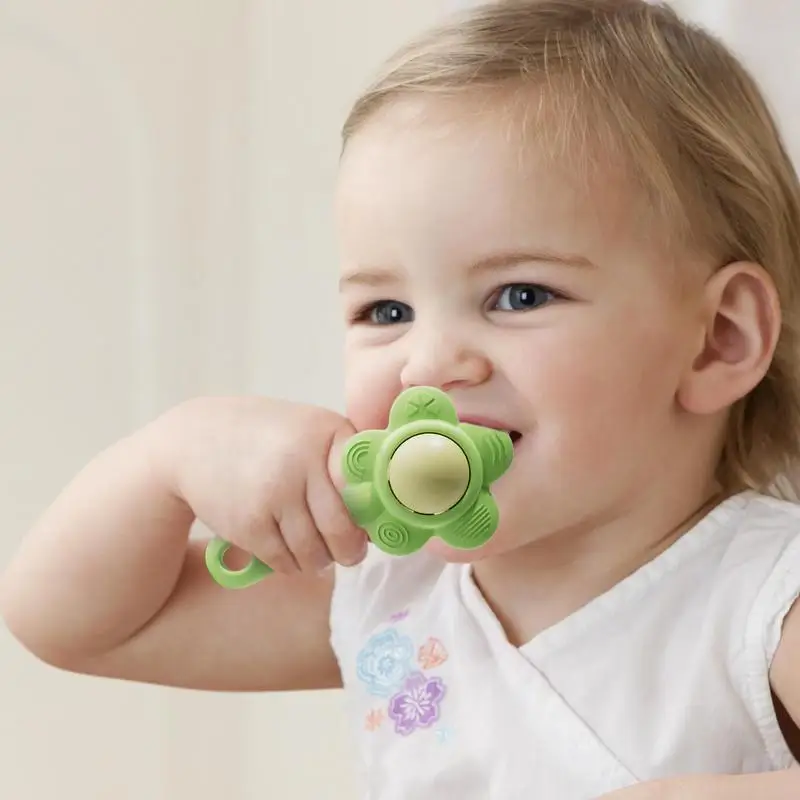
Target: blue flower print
384,662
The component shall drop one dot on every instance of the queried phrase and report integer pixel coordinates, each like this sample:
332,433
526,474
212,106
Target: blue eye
388,312
523,297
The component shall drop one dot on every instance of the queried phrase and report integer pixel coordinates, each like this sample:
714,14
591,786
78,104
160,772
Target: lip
488,422
485,422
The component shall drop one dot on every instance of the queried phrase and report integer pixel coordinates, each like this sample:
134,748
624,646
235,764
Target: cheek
372,381
620,374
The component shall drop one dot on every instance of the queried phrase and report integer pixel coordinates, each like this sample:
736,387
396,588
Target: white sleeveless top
665,674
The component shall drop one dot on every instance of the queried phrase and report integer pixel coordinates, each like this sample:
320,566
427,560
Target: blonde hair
693,127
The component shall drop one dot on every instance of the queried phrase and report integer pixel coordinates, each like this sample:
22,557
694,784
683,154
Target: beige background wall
165,171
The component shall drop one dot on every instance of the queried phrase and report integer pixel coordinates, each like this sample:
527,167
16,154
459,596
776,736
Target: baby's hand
262,475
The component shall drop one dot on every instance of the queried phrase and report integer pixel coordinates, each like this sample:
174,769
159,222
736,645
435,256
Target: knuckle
308,551
267,482
329,509
261,537
283,566
332,527
255,523
277,558
306,542
347,544
341,524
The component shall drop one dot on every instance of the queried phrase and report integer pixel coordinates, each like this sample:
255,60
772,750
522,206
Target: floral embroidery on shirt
431,654
443,735
375,719
384,662
417,704
385,665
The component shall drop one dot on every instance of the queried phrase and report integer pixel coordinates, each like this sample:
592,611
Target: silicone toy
425,475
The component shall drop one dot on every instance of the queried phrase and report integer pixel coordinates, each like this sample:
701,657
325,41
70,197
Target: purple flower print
385,662
417,704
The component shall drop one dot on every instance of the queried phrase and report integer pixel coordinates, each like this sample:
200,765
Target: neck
537,585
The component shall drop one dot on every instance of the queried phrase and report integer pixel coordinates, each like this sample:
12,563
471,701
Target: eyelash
363,314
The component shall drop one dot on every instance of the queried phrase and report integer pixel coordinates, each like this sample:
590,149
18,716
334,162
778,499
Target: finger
346,542
266,544
337,447
305,542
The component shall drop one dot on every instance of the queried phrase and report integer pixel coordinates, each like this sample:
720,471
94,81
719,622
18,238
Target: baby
577,218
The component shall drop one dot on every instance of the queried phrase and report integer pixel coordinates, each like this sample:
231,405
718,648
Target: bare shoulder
785,678
274,636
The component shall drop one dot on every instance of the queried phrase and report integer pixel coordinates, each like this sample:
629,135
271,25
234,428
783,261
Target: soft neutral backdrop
165,180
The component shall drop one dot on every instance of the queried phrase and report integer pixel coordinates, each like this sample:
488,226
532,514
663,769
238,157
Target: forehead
475,173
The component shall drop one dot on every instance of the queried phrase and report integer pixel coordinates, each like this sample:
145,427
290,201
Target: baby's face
542,306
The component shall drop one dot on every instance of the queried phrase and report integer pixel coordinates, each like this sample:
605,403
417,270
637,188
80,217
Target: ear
743,321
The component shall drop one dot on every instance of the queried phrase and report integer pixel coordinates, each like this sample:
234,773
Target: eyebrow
501,260
368,277
382,276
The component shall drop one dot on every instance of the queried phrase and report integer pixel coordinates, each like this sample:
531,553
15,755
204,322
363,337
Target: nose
444,359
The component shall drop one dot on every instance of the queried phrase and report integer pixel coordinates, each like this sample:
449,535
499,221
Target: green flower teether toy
425,475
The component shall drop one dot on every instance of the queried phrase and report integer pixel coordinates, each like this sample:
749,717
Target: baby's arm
785,674
783,785
107,583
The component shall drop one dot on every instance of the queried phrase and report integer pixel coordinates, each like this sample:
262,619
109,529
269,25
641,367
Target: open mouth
487,422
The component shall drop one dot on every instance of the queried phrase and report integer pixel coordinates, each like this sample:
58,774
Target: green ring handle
253,572
426,474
